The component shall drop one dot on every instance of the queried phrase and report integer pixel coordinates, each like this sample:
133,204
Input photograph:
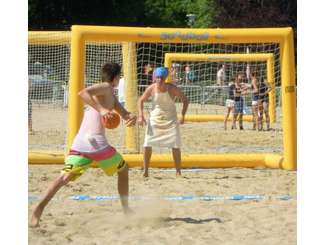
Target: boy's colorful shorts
108,159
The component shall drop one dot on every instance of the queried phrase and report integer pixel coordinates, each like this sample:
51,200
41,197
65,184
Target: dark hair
237,75
254,73
109,71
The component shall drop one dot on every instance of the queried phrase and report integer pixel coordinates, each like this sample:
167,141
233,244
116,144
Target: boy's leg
267,120
260,117
147,158
241,107
176,153
241,121
266,112
75,165
255,116
111,162
234,120
123,188
236,112
60,181
226,117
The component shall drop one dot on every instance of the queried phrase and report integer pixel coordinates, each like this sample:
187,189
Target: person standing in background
221,76
189,75
121,91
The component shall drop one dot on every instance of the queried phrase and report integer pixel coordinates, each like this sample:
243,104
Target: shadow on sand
193,221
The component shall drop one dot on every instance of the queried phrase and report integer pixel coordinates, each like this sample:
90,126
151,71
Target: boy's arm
126,115
121,110
87,94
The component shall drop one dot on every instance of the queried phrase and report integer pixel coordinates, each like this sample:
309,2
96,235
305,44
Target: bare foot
178,174
128,211
145,175
36,217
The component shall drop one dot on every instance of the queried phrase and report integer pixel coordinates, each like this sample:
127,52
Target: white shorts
230,103
254,102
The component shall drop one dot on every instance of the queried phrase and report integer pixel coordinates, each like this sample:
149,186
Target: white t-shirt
221,76
121,90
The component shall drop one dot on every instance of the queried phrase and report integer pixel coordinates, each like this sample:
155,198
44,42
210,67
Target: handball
111,121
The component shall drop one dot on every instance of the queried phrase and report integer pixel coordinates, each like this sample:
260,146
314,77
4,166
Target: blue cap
161,72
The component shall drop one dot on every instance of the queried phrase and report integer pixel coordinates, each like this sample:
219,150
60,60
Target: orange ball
112,122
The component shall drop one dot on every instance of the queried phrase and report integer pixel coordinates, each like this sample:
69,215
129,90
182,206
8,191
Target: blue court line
176,198
184,170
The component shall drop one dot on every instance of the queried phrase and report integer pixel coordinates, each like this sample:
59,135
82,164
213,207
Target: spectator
240,89
121,91
175,79
229,103
264,90
221,76
189,75
147,77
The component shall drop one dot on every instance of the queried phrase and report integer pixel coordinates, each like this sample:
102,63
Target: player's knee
123,169
64,179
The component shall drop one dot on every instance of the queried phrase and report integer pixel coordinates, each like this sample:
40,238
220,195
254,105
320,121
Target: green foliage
173,13
165,13
61,14
205,11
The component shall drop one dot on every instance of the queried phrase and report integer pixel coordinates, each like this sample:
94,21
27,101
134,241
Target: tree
61,14
256,13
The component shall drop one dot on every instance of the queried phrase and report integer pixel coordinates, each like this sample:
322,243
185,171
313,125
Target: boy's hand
104,112
141,121
107,115
130,120
181,119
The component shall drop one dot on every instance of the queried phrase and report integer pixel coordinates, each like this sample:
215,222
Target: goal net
48,75
194,68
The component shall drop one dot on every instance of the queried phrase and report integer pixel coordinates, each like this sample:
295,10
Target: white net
206,95
48,75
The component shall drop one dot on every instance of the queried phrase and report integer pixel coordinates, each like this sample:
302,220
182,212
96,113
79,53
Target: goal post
130,75
257,57
280,38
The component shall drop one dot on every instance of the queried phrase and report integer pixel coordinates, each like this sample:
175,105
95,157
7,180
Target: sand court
159,221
